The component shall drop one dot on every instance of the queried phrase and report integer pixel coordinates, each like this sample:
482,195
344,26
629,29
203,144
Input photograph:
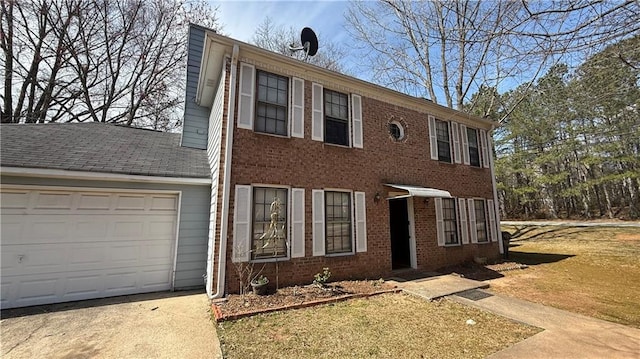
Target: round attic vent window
396,130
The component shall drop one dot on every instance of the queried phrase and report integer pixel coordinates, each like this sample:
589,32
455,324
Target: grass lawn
385,326
593,271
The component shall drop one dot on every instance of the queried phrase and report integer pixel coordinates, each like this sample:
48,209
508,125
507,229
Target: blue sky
240,18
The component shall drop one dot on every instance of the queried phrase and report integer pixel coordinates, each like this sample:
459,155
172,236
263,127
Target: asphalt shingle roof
98,147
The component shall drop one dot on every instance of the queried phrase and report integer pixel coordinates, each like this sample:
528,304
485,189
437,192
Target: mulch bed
236,306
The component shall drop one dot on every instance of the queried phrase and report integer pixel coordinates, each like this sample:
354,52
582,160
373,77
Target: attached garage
66,245
76,226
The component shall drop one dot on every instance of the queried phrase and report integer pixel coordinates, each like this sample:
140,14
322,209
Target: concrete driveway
158,325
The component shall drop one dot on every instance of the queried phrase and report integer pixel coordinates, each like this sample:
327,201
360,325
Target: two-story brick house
368,180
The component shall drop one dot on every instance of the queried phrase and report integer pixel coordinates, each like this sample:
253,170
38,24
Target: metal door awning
405,191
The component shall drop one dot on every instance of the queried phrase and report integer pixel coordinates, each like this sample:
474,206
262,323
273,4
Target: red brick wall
308,164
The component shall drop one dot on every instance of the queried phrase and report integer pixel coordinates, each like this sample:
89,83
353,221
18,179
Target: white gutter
226,185
496,205
99,176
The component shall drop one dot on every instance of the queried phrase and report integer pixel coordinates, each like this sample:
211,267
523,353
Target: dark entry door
399,225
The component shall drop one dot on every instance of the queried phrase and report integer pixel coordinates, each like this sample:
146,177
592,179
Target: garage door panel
130,202
94,202
128,229
54,200
157,251
64,245
12,230
124,255
14,200
82,285
89,229
41,287
163,203
155,278
164,229
46,231
121,280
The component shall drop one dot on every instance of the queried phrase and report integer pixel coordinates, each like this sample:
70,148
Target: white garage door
70,245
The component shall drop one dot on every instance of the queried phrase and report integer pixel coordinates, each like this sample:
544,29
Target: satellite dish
309,42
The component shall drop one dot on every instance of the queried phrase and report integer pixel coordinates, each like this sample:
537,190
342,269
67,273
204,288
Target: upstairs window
442,136
272,94
474,147
336,115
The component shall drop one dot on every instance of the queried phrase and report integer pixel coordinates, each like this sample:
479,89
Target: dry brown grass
593,271
386,326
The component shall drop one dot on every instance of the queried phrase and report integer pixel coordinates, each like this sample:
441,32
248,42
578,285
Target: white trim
293,107
465,145
99,176
413,258
245,115
86,189
356,121
317,218
293,222
492,220
226,188
455,140
496,204
175,254
317,112
483,149
439,222
360,202
462,214
433,138
471,220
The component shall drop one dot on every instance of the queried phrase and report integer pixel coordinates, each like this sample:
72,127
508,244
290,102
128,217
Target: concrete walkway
565,335
437,286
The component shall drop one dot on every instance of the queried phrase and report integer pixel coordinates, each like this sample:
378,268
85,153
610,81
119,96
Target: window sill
453,245
340,254
486,242
336,145
270,260
271,134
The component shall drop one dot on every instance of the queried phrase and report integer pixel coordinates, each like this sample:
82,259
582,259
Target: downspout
226,186
496,205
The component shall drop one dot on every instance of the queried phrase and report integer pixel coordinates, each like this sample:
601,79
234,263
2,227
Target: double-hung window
481,220
442,136
474,147
269,238
271,103
450,221
336,116
338,222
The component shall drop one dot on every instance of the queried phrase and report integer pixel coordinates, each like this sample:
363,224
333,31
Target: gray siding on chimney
194,128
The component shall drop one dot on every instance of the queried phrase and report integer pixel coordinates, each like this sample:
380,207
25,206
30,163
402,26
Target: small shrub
321,279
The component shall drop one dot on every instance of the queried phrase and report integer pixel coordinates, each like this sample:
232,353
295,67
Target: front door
399,228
